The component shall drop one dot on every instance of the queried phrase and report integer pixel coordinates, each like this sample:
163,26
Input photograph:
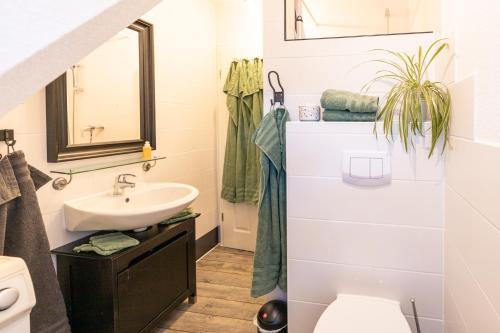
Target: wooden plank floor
224,278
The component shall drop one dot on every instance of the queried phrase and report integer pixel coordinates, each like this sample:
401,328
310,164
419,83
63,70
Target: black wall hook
6,135
278,96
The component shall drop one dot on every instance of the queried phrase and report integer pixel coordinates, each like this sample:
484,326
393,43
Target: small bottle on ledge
146,151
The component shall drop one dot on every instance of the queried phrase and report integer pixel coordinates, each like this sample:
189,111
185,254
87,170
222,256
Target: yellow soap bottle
147,151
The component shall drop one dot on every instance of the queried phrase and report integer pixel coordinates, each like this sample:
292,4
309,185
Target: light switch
376,168
360,167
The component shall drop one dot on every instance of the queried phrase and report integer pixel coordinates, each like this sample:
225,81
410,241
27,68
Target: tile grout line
367,266
305,219
474,208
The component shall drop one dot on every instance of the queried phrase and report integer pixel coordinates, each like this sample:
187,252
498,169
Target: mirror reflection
105,104
309,19
103,93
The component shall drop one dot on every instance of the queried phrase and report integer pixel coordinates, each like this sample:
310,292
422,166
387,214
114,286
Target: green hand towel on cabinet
347,101
333,115
185,214
107,244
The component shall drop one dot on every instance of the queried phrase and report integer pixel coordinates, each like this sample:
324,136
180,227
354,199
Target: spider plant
413,98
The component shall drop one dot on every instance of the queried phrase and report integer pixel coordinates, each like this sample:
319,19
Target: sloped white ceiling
40,39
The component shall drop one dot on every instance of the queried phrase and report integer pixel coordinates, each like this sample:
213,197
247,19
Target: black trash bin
272,318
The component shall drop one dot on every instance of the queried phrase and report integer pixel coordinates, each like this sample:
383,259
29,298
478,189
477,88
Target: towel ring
148,165
278,96
60,183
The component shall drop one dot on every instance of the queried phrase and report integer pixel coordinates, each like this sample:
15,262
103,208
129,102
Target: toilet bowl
361,314
17,296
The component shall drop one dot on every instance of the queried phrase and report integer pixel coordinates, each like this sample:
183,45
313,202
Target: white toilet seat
361,314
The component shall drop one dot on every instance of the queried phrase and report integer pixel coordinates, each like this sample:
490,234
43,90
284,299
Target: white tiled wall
472,250
473,24
472,242
383,241
378,241
185,59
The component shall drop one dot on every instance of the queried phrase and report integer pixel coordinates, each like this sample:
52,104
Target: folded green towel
184,215
107,244
333,115
348,101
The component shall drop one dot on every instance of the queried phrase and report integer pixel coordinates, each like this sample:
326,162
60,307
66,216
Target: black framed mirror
105,104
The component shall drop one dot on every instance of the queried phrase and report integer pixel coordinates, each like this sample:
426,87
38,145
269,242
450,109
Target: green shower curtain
243,87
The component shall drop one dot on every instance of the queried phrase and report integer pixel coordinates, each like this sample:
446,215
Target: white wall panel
384,241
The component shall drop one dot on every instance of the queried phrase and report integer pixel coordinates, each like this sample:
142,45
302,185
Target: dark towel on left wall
22,234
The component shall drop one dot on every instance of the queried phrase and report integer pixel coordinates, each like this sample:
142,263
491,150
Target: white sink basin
140,207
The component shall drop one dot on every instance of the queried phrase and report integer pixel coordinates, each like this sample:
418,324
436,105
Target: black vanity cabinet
133,290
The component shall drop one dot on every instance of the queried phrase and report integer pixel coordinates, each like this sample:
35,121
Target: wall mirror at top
105,104
312,19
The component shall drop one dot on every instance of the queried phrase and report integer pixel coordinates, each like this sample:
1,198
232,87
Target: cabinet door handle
8,297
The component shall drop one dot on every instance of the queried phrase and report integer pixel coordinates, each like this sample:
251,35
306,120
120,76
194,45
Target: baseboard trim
207,242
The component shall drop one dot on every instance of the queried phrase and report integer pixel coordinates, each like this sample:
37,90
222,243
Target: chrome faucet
121,183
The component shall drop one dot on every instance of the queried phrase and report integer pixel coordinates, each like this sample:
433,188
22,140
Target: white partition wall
384,241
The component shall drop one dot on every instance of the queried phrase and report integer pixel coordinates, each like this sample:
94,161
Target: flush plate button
376,168
359,167
365,168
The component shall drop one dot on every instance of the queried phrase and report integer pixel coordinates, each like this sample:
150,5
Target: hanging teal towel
269,268
240,180
348,101
107,244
